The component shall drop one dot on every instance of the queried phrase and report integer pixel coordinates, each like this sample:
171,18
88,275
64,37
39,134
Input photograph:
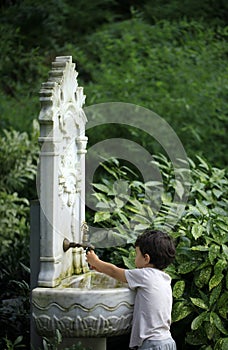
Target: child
155,250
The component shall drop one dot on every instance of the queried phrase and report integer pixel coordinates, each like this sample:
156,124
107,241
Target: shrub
18,157
200,273
175,69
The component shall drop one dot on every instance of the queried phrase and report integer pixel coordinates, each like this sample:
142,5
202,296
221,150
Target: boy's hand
92,258
105,267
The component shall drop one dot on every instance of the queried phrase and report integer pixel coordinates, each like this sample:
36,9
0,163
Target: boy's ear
147,258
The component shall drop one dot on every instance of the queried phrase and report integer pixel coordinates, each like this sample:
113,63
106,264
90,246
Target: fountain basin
88,305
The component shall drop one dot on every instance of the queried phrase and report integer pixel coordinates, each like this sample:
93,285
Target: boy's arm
106,268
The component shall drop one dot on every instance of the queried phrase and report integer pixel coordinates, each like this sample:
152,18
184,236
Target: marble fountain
66,295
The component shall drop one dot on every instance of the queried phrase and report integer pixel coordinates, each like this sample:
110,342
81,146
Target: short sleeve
135,278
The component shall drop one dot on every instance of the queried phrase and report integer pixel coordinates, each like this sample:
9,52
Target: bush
175,69
200,272
18,153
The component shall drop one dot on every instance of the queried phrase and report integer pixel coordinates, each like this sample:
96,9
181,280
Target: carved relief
61,187
88,326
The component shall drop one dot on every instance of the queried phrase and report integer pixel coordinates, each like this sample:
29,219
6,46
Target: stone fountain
82,304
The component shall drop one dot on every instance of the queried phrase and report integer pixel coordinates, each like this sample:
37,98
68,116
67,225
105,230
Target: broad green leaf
203,277
222,225
215,319
223,311
179,188
178,289
101,187
225,250
200,303
215,294
101,216
121,187
197,230
124,219
119,202
215,280
217,193
200,248
103,205
172,271
129,263
222,304
100,196
197,322
220,266
210,330
180,311
18,340
141,227
202,208
166,197
110,171
187,267
213,252
222,344
219,236
203,163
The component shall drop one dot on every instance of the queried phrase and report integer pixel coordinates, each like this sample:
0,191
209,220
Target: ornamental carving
88,326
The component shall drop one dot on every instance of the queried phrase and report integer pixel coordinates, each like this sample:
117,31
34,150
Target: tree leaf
200,248
222,344
178,289
18,340
179,188
220,266
124,219
214,251
187,267
180,311
203,277
197,322
225,250
210,330
101,187
215,319
101,216
197,230
215,280
200,303
215,294
222,225
222,304
202,208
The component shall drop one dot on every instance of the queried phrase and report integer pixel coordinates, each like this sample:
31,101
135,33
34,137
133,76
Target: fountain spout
67,245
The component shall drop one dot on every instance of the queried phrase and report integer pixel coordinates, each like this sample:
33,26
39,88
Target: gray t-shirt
153,304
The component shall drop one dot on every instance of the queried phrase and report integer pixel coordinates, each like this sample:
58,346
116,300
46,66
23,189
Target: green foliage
124,60
173,69
200,273
14,345
209,10
53,343
167,56
18,156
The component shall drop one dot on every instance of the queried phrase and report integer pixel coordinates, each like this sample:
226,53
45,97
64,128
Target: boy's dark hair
159,246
